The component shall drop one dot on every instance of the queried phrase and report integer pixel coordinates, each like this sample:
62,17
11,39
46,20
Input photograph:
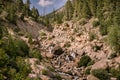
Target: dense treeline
17,9
15,52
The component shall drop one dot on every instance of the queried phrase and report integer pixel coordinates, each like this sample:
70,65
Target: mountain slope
74,46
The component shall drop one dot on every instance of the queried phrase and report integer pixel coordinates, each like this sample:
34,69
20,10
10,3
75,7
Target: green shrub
84,60
90,63
114,38
101,74
51,68
83,21
20,33
96,48
57,77
115,73
103,29
1,76
95,23
87,71
21,47
23,67
3,58
42,34
17,29
67,44
34,53
30,41
44,72
15,47
113,55
92,36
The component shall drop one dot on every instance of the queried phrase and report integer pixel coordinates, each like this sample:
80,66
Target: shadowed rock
58,51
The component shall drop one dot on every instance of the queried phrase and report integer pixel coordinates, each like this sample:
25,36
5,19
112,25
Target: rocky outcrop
91,77
102,64
68,43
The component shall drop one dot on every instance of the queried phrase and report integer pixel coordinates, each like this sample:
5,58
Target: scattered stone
112,78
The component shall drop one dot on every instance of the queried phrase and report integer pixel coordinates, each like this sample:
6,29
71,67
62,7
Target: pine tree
117,14
68,10
11,13
19,5
86,13
35,13
93,7
26,8
99,12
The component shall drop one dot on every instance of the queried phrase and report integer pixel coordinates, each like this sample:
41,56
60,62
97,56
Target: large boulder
102,64
91,77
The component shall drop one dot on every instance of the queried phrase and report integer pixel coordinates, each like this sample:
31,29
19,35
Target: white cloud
44,3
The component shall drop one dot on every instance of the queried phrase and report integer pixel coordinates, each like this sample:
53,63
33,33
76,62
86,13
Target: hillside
79,41
65,47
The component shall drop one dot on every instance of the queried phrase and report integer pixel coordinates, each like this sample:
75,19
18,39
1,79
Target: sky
47,6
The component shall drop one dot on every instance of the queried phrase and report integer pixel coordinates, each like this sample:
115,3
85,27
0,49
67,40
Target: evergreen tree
93,6
86,13
68,10
19,5
117,13
26,8
35,13
11,13
114,38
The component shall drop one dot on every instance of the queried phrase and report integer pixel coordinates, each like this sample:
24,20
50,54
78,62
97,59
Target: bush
20,33
90,63
87,71
113,55
67,44
23,67
115,73
84,61
3,58
30,41
34,53
101,74
1,77
57,77
95,23
42,34
96,48
83,21
103,29
44,72
92,36
114,38
15,47
21,47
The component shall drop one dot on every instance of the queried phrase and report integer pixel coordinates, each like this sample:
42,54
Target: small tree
84,61
101,74
68,10
114,38
35,13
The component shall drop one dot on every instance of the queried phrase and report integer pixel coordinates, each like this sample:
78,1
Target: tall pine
68,10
